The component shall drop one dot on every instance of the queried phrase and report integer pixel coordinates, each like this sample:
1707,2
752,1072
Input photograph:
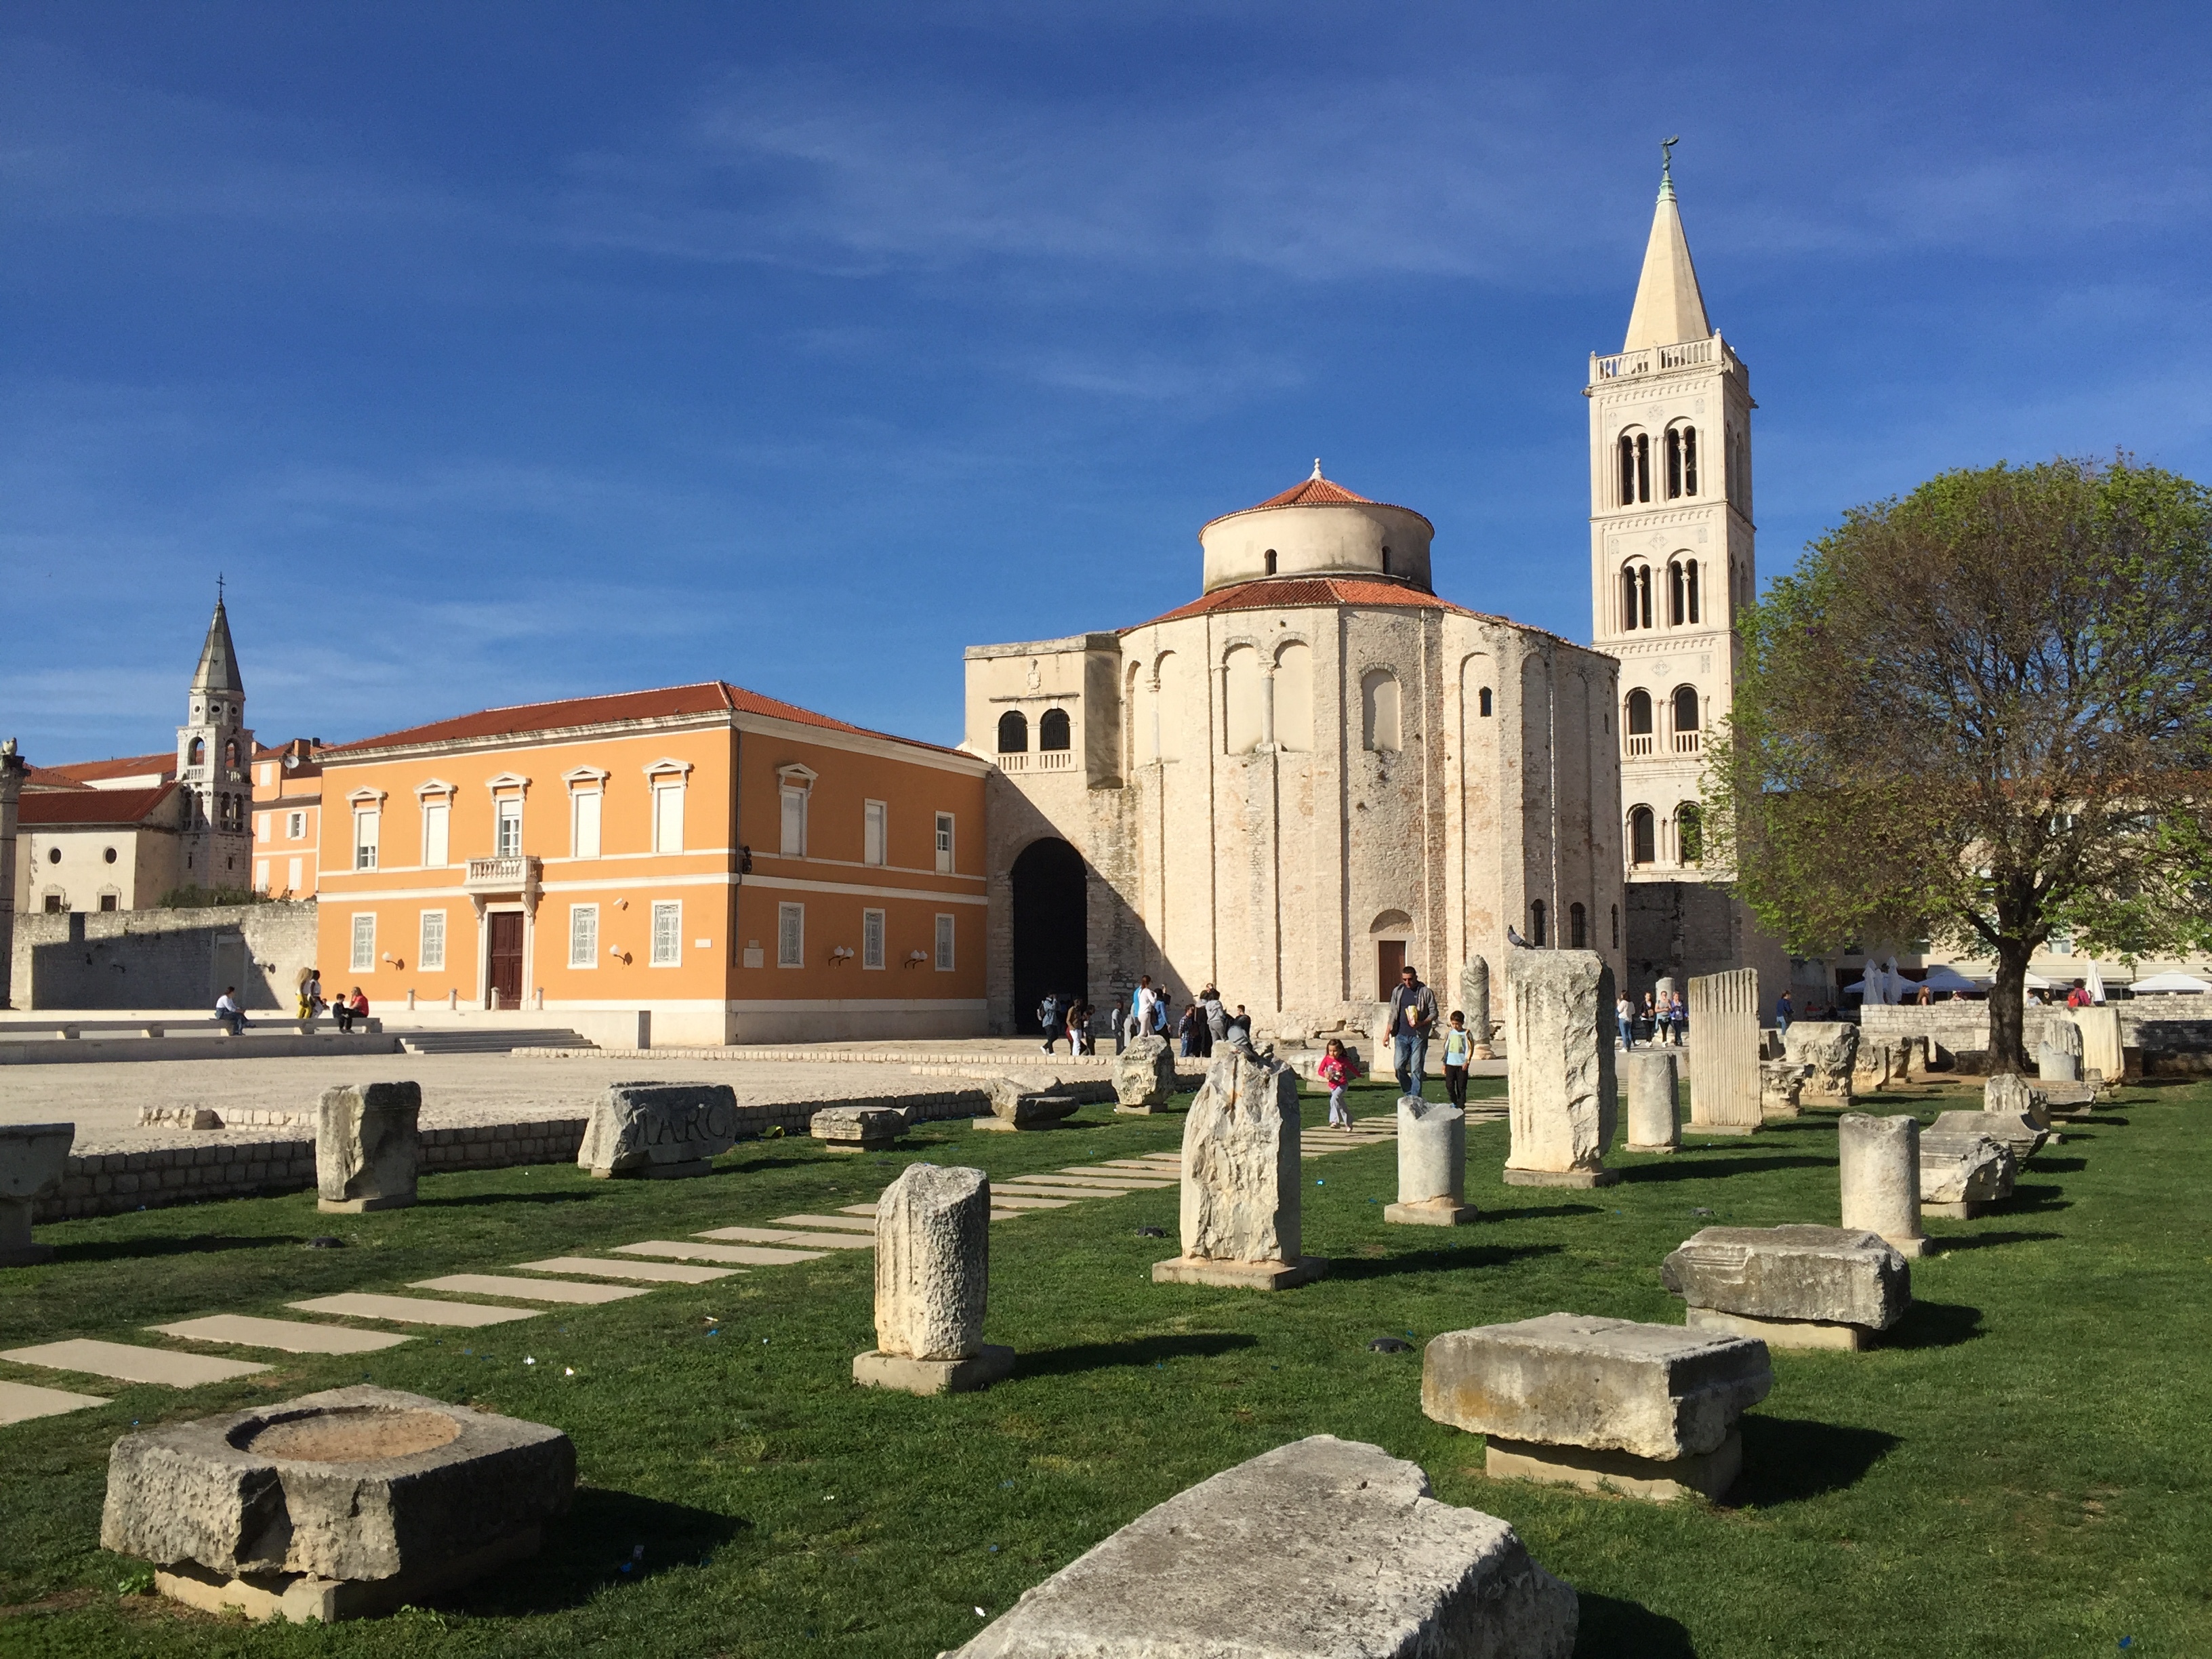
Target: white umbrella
2094,982
1942,977
2170,982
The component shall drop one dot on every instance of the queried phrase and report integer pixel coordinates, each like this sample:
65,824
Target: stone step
21,1402
753,1256
1118,1177
491,1040
650,1272
1051,1189
128,1363
285,1335
791,1235
415,1310
528,1290
845,1222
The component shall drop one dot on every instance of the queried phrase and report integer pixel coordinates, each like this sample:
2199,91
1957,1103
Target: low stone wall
2157,1043
164,958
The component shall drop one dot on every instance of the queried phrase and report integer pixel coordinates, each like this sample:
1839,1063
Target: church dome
1317,529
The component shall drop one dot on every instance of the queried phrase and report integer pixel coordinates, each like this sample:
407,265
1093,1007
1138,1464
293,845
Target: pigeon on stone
1513,938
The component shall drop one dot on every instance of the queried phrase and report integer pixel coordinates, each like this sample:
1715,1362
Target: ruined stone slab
987,1365
284,1336
126,1362
1708,1474
1834,1275
1877,1167
1144,1075
1240,1164
659,1130
1322,1549
366,1146
1015,1106
932,1263
857,1128
1239,1275
1655,1117
33,1159
1830,1049
1560,1052
341,1503
1964,1170
1782,1333
1654,1391
1780,1087
2013,1128
21,1402
2008,1092
1724,1079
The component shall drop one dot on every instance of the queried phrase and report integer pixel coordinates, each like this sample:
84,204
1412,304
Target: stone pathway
413,1309
528,1290
286,1335
19,1402
128,1363
644,1273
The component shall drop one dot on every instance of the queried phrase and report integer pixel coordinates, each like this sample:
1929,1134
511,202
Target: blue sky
498,353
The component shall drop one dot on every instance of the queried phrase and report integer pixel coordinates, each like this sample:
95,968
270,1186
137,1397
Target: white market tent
1942,977
2169,983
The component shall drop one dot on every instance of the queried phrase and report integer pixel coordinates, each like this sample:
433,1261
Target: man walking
1412,1017
1783,1013
1048,1017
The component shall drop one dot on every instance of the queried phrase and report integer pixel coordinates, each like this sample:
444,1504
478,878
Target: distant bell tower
215,766
1670,543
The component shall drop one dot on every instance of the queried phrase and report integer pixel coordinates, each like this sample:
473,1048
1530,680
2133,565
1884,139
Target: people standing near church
1459,1049
1191,1032
1238,1022
1144,1010
1677,1021
1335,1073
314,993
1623,1016
1412,1017
1049,1015
227,1013
1217,1015
1783,1012
1078,1029
1647,1020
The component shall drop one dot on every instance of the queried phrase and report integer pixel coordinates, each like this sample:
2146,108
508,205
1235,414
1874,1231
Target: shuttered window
790,935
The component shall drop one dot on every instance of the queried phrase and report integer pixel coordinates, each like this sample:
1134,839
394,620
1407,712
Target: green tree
1981,715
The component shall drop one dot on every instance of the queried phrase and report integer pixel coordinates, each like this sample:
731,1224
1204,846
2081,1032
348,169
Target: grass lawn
2025,1468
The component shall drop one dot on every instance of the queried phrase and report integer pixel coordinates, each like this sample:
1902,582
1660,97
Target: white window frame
875,833
947,934
502,816
363,955
430,932
668,918
437,831
872,938
261,875
294,874
580,846
584,930
296,826
791,806
667,799
368,833
261,825
945,844
791,936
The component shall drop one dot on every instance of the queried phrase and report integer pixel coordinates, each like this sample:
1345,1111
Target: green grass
2023,1470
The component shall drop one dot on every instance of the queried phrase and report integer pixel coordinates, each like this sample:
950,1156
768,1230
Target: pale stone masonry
1559,1047
1241,1210
366,1155
1431,1166
1829,1049
662,1130
1877,1167
1654,1106
932,1284
1793,1287
1724,1079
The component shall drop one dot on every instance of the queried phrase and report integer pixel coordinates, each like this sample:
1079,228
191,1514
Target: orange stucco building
743,869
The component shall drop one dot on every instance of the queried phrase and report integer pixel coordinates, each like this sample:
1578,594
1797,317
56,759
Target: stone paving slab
1118,1177
414,1310
838,1241
1053,1190
20,1402
846,1222
752,1255
998,1203
648,1273
528,1290
286,1335
128,1363
1136,1163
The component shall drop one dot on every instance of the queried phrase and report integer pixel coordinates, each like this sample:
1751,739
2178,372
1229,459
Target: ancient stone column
365,1146
1830,1048
1240,1180
1654,1121
2100,1043
1879,1162
33,1159
932,1282
1474,1002
1779,1086
2059,1059
1144,1076
1431,1166
1559,1048
1724,1082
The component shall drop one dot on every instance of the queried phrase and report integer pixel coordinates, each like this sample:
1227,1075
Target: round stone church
1313,773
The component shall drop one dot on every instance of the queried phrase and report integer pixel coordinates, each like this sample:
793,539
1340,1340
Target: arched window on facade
230,755
1536,935
1635,597
1484,705
1636,726
1013,733
1690,832
1635,456
197,753
1271,561
1681,461
1688,723
1643,836
1053,729
1381,725
1133,751
1682,597
1577,928
1294,717
1386,561
1241,697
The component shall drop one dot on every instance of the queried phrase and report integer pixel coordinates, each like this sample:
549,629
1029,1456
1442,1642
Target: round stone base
1239,1275
1560,1177
873,1369
1430,1212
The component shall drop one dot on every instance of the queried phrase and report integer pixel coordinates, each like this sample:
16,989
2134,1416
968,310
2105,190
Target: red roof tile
1315,491
84,808
1297,592
708,697
44,777
129,766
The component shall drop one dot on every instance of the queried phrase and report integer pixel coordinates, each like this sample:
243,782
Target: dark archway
1051,937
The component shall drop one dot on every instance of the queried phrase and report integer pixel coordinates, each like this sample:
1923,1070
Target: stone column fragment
1878,1162
366,1147
1474,1000
1559,1047
1724,1081
1830,1048
33,1158
1654,1119
2059,1058
1240,1180
1144,1076
933,1283
1431,1166
2100,1043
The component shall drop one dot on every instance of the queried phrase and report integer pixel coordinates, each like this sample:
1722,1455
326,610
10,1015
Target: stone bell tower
215,766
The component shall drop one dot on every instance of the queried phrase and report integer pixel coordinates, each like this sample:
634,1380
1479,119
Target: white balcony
1687,743
1639,743
1660,360
1045,760
518,872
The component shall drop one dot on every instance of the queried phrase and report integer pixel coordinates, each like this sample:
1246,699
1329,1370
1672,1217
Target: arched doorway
1051,942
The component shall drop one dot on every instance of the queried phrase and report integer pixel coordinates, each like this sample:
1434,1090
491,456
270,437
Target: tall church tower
215,766
1670,561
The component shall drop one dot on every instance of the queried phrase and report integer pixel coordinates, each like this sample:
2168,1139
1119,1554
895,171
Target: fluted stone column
1474,999
1724,1079
1655,1124
1431,1166
1560,1054
933,1283
1879,1162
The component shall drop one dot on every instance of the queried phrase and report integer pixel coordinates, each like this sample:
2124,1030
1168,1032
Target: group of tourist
348,1008
1661,1022
1067,1017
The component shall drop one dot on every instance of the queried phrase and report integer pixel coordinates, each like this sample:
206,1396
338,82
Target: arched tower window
1013,733
230,754
1271,561
1577,928
1681,461
1386,561
1383,729
1536,935
1635,454
1637,728
1053,729
197,754
1635,597
1485,702
1688,723
1682,599
1643,836
1690,832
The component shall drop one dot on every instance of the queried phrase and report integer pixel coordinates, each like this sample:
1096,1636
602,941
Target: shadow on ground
1934,1325
1136,1351
476,1200
608,1538
125,1250
1710,1169
1610,1627
1537,1211
1947,1245
2034,1200
1787,1459
1438,1258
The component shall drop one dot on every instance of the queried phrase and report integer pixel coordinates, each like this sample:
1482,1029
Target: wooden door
506,958
1390,962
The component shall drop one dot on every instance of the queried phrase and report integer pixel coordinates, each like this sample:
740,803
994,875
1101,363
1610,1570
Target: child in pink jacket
1335,1072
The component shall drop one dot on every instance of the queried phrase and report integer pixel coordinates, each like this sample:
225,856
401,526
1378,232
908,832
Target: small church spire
1669,307
1316,472
218,668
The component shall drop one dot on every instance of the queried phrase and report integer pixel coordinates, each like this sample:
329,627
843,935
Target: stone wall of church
163,959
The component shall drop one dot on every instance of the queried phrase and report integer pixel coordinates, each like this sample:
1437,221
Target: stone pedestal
1878,1160
1431,1166
33,1158
1560,1051
1241,1224
366,1147
1797,1287
1829,1050
1588,1401
1781,1085
2100,1043
338,1504
1724,1078
1654,1107
659,1131
1324,1546
2059,1058
857,1128
932,1284
2012,1128
1963,1171
1144,1075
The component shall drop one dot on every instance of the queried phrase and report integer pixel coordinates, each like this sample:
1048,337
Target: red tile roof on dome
1300,592
1315,491
666,702
63,808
